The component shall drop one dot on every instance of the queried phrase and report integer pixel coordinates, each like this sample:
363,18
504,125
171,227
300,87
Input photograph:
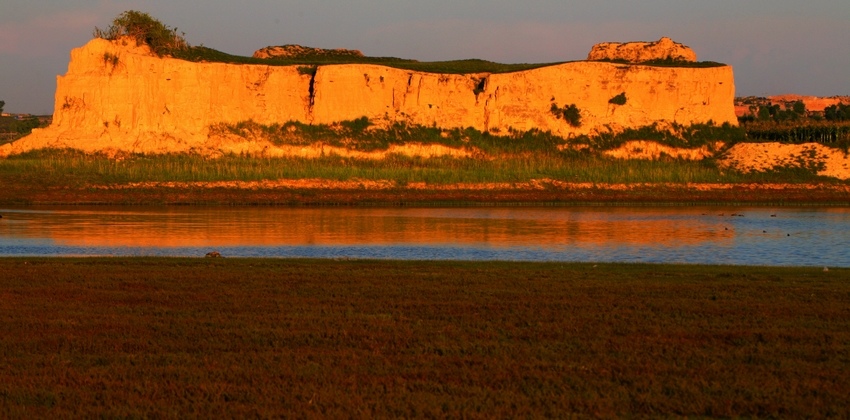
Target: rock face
296,51
639,52
118,96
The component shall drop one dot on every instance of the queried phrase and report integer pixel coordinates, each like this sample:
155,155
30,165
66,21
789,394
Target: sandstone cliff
639,52
118,96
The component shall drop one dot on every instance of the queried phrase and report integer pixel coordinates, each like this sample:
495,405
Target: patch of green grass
174,337
466,66
205,54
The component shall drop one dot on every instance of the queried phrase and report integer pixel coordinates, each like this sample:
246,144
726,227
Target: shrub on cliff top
146,30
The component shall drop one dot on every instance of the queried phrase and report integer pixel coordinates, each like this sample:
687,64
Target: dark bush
799,108
838,112
618,100
162,40
307,70
569,113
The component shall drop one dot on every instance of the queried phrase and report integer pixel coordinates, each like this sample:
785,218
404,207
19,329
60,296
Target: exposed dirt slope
760,157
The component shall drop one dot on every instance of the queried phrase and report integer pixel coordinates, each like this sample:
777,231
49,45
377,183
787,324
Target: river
796,236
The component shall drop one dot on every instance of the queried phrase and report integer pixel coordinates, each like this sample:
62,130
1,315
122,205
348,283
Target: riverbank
140,337
68,177
314,192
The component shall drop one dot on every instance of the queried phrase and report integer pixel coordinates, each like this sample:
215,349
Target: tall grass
58,167
361,134
497,157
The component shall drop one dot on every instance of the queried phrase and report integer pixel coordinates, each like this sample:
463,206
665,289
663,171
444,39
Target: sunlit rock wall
637,52
118,96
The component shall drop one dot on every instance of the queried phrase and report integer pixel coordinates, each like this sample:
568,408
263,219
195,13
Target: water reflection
665,234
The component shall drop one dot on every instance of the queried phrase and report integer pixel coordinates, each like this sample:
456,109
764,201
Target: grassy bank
78,169
66,177
494,172
361,134
201,337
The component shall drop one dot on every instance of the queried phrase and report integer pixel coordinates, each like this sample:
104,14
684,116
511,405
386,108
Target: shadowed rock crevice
311,89
480,86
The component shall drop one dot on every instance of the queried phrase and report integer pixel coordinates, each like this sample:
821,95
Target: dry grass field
139,337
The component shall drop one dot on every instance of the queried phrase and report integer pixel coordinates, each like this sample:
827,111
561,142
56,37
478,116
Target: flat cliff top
205,54
466,66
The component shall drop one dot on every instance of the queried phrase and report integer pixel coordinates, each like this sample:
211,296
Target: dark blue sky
775,46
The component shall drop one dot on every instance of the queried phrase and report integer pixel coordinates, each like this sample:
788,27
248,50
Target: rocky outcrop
118,96
298,51
639,52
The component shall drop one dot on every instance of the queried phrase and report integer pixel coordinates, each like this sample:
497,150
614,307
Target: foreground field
237,338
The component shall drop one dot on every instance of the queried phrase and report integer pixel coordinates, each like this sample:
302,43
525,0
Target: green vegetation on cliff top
205,54
165,40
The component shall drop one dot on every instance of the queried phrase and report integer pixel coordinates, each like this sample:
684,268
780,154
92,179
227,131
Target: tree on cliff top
162,39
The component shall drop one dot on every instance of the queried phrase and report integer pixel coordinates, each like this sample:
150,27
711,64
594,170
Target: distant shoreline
565,194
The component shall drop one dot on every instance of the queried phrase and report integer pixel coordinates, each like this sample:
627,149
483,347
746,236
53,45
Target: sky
775,46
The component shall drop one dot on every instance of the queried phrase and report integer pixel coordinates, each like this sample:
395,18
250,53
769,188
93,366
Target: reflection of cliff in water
535,227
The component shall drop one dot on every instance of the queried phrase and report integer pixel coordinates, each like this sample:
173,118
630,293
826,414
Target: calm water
761,236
